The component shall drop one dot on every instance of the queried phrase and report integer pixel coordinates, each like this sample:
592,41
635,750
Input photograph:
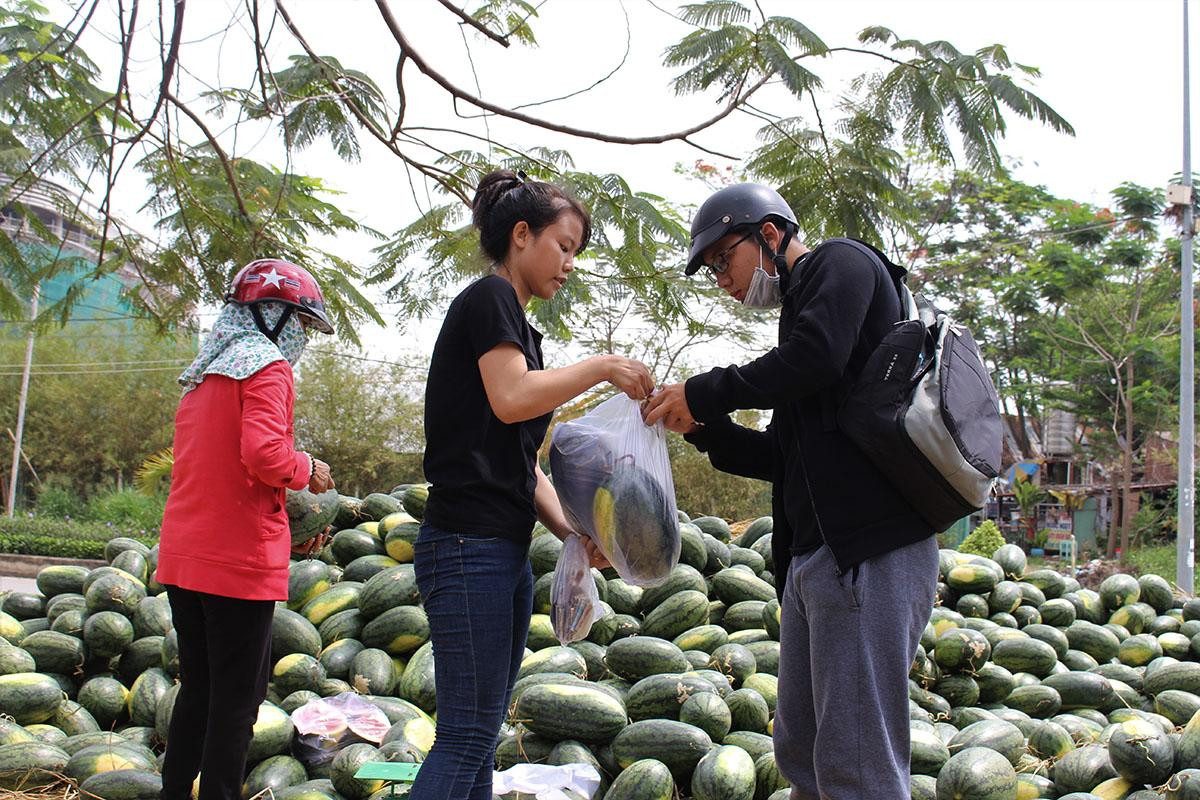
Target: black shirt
482,470
838,303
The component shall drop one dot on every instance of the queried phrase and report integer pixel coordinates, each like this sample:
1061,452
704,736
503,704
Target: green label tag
388,771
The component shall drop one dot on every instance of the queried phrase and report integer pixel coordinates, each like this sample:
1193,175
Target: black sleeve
492,316
839,286
736,449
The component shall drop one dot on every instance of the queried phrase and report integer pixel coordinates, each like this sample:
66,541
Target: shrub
983,541
56,500
127,509
53,537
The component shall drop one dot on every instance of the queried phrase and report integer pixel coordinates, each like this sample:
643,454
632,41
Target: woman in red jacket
223,555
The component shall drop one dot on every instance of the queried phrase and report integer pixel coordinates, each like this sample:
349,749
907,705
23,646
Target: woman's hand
631,377
315,545
322,480
595,556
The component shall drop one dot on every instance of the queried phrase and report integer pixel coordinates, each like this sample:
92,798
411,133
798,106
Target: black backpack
925,411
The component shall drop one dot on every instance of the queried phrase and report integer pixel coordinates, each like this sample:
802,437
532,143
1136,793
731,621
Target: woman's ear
521,235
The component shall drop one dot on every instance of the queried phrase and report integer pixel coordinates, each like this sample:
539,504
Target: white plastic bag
546,782
574,600
327,724
613,478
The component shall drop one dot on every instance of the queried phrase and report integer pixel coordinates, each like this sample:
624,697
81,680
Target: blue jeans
478,594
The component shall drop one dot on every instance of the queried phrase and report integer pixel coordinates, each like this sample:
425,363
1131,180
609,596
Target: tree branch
467,19
406,46
212,141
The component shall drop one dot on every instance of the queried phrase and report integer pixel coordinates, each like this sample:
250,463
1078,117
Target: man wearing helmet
855,566
223,553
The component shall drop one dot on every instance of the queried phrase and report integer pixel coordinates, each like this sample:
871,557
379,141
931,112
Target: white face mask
763,291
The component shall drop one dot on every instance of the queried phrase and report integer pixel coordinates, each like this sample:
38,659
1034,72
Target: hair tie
522,177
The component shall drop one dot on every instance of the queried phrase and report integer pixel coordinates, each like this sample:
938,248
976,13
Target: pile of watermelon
1025,686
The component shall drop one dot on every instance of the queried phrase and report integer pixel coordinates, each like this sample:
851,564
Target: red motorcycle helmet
276,280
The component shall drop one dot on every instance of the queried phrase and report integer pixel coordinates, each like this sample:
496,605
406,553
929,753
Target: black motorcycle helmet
736,208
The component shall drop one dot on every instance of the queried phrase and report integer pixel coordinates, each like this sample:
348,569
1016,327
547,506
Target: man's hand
669,404
315,545
321,480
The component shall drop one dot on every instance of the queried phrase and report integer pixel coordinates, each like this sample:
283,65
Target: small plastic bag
547,782
574,600
328,724
613,477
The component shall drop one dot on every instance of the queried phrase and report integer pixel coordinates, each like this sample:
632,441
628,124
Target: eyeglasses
720,262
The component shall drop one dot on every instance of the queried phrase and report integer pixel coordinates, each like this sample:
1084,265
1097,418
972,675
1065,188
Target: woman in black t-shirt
488,402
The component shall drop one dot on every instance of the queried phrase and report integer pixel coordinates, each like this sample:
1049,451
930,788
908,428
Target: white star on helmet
273,277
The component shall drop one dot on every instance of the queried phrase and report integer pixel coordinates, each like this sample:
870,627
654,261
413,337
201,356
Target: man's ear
772,234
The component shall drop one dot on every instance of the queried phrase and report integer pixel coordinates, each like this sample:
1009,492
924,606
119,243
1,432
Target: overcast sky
1111,67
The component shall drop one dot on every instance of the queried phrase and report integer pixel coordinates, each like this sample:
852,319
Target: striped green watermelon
339,597
338,656
1040,702
748,711
152,617
134,563
961,650
1050,741
372,672
73,719
416,684
395,586
145,695
1082,769
63,579
107,633
292,633
733,585
1177,706
681,578
346,624
643,779
274,774
296,672
553,659
272,733
977,773
54,652
118,592
1141,752
1119,590
28,765
366,567
928,753
1025,655
660,696
347,762
399,631
124,784
678,745
734,661
708,712
637,657
993,734
560,711
98,758
724,773
306,579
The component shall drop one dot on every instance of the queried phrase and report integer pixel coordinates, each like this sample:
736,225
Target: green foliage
87,424
54,499
984,541
1028,495
127,508
702,489
43,536
363,418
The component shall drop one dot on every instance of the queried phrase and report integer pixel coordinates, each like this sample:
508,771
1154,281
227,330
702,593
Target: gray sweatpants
846,646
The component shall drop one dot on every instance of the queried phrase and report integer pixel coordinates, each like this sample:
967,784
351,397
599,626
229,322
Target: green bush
983,541
45,536
128,509
56,500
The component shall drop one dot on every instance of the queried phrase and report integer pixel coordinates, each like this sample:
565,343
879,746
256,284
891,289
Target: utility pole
21,401
1185,544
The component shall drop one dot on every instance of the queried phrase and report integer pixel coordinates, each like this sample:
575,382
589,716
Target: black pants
224,664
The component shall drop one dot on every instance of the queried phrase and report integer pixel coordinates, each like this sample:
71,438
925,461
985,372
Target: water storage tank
1059,438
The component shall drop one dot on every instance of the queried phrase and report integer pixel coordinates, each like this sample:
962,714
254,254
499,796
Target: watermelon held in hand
309,514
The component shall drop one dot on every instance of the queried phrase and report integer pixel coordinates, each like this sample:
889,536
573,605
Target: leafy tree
101,399
362,417
216,208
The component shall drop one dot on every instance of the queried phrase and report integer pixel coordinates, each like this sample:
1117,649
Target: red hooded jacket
225,530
